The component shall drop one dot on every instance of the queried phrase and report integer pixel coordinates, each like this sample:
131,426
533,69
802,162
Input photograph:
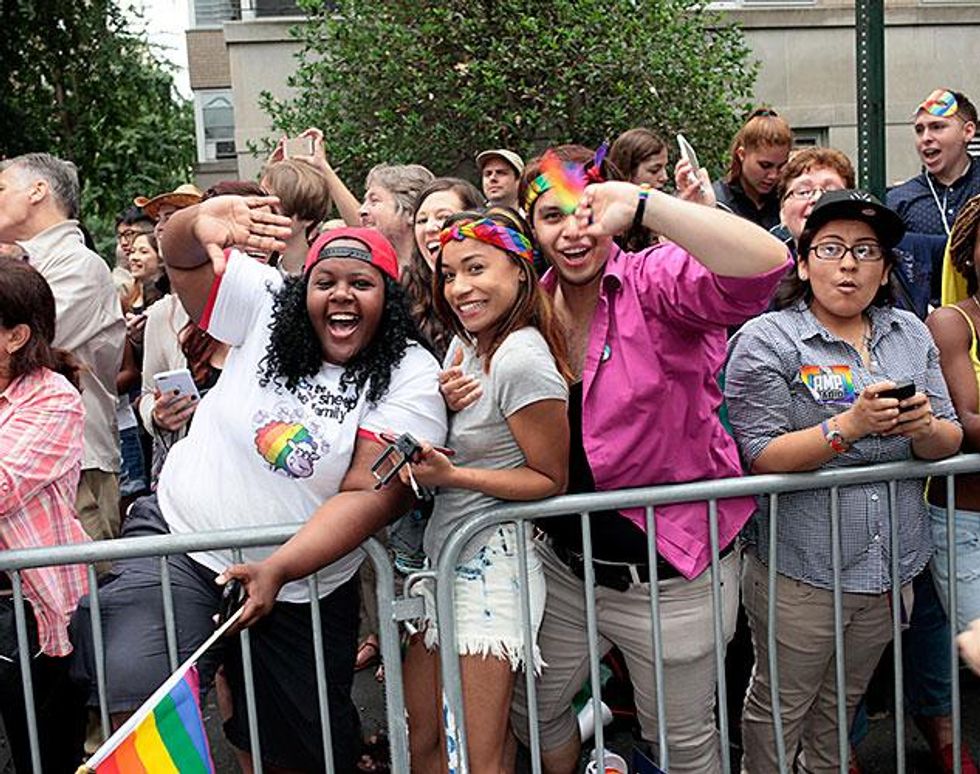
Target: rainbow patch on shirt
829,384
288,447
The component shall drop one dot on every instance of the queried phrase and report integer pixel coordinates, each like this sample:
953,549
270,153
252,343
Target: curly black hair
295,353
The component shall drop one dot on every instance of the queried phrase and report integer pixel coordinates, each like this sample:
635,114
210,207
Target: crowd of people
777,320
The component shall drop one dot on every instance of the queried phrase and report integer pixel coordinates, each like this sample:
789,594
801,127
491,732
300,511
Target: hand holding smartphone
901,391
178,383
688,154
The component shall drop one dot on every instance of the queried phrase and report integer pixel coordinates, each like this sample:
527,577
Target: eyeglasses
941,103
809,194
866,252
131,233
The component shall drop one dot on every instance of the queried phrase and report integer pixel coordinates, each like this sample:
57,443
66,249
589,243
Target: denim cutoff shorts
488,591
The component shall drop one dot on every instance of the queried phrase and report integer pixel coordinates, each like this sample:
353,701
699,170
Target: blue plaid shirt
767,397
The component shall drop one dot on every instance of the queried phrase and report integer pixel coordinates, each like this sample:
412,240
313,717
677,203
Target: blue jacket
915,203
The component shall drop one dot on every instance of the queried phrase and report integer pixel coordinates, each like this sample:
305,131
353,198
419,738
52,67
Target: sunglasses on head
764,113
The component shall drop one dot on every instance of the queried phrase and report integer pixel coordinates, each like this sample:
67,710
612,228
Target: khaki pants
687,624
98,503
807,668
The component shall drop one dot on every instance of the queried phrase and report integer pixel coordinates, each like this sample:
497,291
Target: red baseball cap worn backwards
378,252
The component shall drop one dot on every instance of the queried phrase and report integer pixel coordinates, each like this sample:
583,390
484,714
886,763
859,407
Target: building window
213,13
810,137
262,9
215,119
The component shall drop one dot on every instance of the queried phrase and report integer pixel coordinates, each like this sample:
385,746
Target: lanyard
940,206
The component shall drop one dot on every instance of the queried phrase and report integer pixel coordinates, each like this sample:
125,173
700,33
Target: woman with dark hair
441,198
512,444
318,365
641,156
41,420
807,388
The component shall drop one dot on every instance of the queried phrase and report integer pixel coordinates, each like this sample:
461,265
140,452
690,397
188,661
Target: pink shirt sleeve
675,286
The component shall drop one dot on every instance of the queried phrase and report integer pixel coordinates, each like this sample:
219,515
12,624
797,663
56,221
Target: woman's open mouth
342,324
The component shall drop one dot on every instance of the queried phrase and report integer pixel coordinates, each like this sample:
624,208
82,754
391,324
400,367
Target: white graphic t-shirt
263,455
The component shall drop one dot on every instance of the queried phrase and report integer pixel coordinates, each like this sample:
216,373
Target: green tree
433,81
81,81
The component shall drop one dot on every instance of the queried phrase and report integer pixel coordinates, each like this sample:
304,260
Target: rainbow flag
166,735
169,738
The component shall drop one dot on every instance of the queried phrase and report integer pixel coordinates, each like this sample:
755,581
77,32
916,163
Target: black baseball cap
853,205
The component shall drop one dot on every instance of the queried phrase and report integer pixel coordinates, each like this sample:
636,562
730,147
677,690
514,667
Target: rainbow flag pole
166,734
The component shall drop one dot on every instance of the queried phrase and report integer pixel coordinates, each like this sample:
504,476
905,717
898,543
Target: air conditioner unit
219,149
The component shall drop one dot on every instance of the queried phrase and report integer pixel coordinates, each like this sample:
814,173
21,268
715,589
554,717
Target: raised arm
347,204
196,237
725,244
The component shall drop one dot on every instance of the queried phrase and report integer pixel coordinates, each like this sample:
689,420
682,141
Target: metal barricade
162,546
650,498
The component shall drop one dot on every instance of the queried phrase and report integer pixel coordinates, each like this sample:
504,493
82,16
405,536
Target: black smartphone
232,598
901,391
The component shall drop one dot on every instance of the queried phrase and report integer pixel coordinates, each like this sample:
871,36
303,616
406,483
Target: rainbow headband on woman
487,231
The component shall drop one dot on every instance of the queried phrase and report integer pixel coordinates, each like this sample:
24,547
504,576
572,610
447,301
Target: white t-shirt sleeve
242,292
413,403
524,372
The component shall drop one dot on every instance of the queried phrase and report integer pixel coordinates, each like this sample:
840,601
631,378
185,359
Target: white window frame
201,97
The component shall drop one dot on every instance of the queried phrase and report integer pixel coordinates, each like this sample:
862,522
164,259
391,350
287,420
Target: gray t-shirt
522,372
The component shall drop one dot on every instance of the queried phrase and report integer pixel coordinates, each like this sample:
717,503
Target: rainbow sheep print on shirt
288,447
829,384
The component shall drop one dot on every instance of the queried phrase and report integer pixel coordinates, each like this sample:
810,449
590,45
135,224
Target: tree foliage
81,81
433,81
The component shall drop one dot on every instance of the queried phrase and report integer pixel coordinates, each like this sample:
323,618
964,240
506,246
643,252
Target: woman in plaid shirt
41,420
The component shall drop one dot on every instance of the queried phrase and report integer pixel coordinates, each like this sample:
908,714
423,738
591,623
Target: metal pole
869,23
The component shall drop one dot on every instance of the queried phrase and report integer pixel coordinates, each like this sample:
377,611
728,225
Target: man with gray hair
390,192
39,208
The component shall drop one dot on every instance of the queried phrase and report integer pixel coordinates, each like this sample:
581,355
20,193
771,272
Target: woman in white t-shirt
317,365
510,444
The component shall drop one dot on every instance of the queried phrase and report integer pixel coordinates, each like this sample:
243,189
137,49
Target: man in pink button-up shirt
646,333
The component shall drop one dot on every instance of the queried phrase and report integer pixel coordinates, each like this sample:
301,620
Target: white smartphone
688,154
179,380
297,146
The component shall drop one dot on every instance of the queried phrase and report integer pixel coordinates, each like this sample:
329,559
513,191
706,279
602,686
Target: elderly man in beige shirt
39,205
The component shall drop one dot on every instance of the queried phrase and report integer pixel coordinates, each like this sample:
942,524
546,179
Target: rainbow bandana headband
941,103
567,178
486,231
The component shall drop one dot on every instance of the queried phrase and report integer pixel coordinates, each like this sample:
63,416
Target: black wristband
641,207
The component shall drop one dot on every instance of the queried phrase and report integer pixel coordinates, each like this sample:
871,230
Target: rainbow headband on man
487,231
567,178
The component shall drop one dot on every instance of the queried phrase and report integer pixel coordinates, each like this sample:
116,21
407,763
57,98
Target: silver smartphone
178,381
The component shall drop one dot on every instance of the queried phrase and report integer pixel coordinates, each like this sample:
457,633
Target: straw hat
182,196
